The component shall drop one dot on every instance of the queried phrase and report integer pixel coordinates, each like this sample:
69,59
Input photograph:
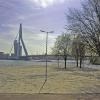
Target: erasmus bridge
19,46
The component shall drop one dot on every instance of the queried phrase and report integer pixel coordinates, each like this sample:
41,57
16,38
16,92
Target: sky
35,15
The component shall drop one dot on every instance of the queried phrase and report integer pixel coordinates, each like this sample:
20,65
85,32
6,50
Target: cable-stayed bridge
19,46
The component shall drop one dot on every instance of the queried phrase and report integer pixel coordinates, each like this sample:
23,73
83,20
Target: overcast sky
48,15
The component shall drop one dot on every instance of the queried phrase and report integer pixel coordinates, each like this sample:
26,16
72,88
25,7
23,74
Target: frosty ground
28,77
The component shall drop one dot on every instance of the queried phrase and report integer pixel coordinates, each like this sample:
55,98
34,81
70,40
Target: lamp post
46,50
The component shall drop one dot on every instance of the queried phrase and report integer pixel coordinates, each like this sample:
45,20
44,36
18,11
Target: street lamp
46,50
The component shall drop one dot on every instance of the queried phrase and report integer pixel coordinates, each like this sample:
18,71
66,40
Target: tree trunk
65,62
58,61
77,57
77,61
80,62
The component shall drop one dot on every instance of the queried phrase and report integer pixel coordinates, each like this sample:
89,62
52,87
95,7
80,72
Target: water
18,63
12,63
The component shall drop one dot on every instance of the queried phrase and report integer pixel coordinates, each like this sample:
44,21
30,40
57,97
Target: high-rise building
17,49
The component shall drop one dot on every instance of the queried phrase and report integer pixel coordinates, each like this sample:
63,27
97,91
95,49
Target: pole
46,71
46,54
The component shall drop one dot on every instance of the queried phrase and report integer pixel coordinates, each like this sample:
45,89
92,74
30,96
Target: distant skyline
48,15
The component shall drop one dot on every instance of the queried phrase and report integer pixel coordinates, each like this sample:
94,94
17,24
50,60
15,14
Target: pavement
49,96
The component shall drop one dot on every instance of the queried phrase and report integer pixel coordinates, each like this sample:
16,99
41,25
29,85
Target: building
17,49
3,55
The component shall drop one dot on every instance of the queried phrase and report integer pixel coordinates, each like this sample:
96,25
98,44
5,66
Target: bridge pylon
19,45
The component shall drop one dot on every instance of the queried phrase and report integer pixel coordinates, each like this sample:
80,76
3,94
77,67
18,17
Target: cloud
34,17
46,3
34,41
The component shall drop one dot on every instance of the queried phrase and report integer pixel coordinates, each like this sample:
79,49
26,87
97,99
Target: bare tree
62,46
87,22
78,50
